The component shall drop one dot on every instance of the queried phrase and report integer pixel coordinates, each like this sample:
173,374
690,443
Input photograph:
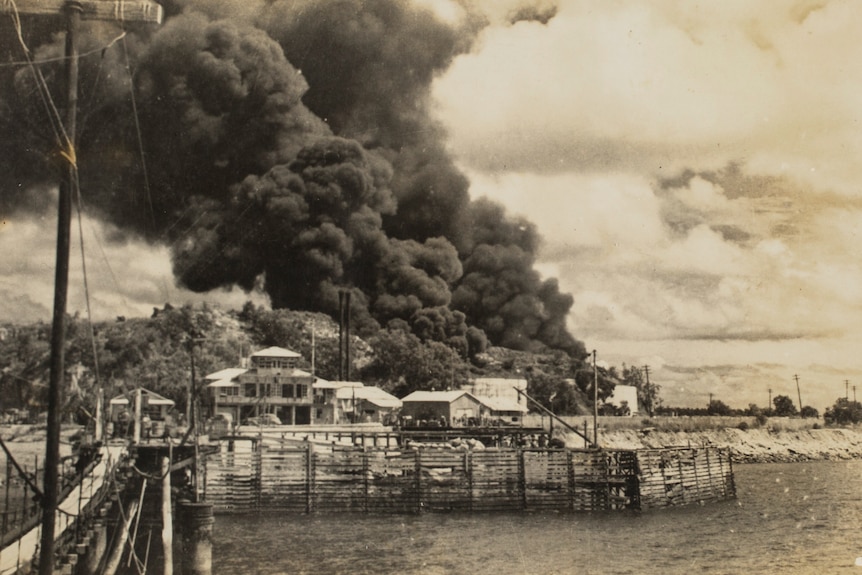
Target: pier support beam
96,548
167,522
196,524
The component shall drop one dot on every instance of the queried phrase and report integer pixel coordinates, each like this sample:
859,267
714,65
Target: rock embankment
761,445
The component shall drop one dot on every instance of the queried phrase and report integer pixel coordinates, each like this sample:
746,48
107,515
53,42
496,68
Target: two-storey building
271,383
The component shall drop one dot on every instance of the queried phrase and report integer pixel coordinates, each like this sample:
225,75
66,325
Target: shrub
743,426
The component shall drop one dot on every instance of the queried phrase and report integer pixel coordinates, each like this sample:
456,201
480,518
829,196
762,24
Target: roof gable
275,351
152,397
437,396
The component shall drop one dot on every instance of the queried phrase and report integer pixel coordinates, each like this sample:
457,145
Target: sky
692,167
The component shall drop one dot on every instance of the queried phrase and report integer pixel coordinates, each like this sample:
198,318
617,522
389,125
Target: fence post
570,472
468,469
309,479
522,478
257,458
8,486
417,467
365,477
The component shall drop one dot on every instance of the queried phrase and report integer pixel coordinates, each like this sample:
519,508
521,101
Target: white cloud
124,278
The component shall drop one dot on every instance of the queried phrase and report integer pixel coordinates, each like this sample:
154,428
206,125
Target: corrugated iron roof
152,397
228,373
370,394
436,396
275,352
501,404
326,384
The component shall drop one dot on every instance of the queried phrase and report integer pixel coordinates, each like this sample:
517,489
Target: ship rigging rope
44,93
138,133
41,61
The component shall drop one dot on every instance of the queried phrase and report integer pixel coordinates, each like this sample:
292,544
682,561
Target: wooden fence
313,479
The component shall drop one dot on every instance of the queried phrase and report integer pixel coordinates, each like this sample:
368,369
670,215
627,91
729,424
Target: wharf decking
245,476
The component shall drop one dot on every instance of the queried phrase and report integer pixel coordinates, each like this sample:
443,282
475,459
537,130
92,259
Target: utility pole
73,11
847,389
854,394
595,401
648,391
798,393
769,405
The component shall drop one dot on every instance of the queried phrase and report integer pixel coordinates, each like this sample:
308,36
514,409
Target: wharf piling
196,524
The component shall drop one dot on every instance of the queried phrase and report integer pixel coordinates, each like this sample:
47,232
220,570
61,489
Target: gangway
20,552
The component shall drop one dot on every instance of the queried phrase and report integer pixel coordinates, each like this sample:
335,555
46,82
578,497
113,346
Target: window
301,391
250,390
287,390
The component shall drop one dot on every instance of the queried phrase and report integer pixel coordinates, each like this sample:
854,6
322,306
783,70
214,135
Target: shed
366,404
456,407
155,406
504,409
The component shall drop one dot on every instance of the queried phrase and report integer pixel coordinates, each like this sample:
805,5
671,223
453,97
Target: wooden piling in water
167,520
196,524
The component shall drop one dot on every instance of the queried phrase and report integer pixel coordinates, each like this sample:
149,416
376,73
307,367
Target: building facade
273,383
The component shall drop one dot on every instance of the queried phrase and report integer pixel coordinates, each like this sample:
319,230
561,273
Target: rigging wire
41,61
138,133
51,110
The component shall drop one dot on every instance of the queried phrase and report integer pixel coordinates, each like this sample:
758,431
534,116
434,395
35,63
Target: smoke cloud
290,145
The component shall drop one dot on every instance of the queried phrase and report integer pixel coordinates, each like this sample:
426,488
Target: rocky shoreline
761,445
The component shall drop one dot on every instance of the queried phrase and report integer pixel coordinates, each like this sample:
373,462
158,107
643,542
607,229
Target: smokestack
340,335
347,336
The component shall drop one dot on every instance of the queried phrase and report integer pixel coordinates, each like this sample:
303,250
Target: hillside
160,352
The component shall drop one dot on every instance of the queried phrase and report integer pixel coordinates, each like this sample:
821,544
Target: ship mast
73,11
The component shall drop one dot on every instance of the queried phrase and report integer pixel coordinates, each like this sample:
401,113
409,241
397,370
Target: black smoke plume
288,144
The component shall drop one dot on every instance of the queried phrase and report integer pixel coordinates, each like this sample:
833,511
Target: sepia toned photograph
430,287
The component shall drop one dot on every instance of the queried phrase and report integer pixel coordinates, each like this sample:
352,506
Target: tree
784,406
647,392
718,407
809,411
844,412
403,364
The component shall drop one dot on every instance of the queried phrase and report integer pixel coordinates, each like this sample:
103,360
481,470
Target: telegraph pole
847,389
648,391
798,393
595,401
769,405
73,12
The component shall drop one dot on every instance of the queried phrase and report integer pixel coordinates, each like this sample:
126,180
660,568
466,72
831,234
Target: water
788,518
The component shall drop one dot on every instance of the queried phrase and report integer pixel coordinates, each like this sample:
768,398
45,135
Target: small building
153,405
367,404
503,410
455,408
503,388
325,400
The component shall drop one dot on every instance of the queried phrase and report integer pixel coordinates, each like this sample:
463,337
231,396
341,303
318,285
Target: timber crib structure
248,477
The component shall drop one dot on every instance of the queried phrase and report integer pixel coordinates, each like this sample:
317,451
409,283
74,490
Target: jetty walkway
80,500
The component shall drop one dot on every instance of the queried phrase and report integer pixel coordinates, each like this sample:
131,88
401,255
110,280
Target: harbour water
789,518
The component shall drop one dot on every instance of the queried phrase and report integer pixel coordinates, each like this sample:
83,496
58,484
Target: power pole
769,405
73,11
846,389
595,401
798,393
648,391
